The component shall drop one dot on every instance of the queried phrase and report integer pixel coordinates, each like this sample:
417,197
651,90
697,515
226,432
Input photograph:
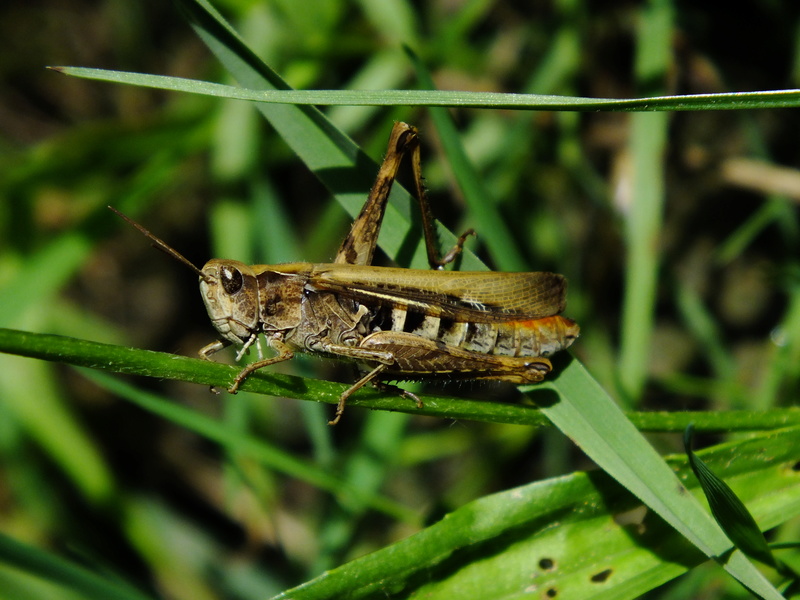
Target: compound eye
231,280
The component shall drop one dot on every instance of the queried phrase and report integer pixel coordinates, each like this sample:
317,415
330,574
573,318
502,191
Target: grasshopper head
229,289
230,293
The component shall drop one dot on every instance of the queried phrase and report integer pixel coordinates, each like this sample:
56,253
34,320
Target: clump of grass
657,235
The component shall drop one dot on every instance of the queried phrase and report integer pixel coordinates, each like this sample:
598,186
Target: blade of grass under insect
503,543
146,363
119,359
444,98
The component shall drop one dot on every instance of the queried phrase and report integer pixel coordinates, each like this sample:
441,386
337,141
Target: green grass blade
642,205
643,227
146,363
367,467
701,324
57,571
728,510
36,404
448,99
504,545
42,276
132,361
28,298
585,413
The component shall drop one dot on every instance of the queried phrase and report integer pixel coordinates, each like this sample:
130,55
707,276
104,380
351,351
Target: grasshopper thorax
230,292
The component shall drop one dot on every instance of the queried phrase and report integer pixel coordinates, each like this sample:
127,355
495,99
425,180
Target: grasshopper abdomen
530,337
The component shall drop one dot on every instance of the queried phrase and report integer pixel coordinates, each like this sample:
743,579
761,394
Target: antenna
163,246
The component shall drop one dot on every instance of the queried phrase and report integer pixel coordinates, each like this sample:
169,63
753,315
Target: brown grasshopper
396,324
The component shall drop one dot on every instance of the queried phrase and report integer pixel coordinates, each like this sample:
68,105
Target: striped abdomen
532,337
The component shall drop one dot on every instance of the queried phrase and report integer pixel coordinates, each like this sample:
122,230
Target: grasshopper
396,324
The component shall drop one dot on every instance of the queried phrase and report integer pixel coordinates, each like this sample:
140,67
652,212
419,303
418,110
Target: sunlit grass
653,284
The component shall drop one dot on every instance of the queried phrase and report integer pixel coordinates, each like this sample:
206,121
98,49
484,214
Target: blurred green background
691,304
